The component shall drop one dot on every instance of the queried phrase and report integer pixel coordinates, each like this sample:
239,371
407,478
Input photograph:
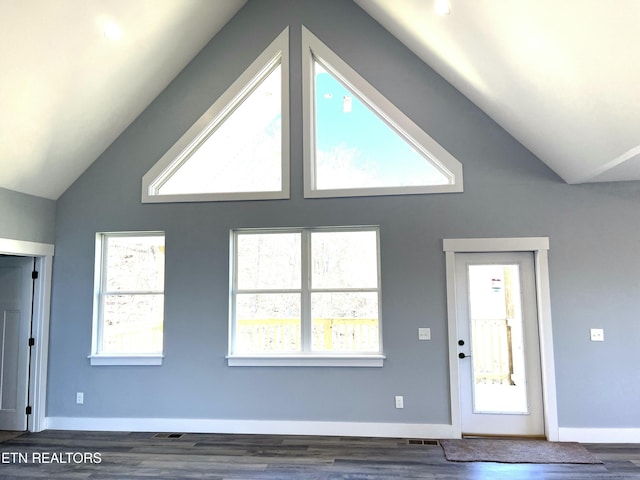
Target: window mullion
305,306
345,290
132,292
259,291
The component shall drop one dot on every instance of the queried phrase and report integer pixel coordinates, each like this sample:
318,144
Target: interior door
16,288
498,345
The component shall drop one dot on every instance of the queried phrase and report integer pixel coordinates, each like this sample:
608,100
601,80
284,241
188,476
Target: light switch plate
597,335
424,333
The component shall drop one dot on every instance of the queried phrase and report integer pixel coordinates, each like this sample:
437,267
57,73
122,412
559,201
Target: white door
15,320
498,345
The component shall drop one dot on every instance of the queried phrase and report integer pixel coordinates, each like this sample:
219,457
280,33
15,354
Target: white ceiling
560,76
67,91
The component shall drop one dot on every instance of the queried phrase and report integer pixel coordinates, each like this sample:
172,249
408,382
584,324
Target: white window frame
314,50
304,358
277,53
100,276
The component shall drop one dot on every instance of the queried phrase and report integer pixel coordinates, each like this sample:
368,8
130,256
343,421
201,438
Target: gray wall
593,231
25,217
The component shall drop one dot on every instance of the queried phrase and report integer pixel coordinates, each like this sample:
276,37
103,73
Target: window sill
306,361
153,359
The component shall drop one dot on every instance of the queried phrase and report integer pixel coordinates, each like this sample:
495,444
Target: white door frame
540,247
43,254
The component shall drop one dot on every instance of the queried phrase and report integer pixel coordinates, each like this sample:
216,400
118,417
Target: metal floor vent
422,442
168,435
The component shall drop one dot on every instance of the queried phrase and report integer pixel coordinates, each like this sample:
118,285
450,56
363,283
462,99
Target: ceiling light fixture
112,31
442,7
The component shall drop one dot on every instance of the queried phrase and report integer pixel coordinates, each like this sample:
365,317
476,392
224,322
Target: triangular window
359,143
238,150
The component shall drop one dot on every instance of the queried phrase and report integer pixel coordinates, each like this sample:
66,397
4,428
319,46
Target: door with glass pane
498,345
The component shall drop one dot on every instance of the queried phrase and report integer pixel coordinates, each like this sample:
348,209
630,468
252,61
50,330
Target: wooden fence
493,357
328,335
129,338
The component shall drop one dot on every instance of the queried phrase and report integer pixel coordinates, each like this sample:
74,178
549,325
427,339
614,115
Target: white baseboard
599,435
285,427
271,427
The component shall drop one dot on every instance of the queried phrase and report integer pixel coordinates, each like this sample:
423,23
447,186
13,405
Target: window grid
305,291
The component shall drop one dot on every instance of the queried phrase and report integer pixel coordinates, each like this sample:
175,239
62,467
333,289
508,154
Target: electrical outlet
597,335
399,401
79,397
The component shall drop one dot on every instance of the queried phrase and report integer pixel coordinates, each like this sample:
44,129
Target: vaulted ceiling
560,76
75,74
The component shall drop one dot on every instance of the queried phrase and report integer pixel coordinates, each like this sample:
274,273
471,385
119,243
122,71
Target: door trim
540,247
43,254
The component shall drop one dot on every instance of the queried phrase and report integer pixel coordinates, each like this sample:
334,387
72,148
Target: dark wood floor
137,456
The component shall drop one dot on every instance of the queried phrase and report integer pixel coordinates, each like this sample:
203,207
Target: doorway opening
16,306
30,315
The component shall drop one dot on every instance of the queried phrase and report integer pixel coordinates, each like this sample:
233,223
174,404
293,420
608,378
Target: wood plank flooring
136,456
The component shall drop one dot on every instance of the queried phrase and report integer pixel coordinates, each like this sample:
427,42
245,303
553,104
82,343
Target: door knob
462,355
460,342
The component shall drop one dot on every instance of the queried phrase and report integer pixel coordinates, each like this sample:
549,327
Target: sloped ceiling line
560,77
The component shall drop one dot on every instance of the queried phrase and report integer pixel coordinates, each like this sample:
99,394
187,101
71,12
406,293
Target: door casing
43,254
540,247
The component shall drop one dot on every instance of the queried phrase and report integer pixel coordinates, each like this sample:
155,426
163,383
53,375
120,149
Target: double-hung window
305,297
129,299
